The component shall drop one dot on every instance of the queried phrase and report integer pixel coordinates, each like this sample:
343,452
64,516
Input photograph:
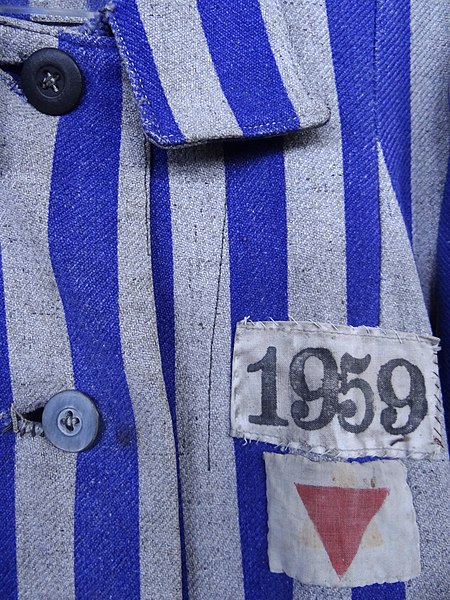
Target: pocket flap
206,70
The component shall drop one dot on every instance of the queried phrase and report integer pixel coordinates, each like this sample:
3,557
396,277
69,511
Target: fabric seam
386,333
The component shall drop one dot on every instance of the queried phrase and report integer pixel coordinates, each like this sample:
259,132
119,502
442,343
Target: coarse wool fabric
210,80
430,123
126,263
39,351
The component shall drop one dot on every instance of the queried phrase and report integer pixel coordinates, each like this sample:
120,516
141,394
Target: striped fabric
207,70
126,262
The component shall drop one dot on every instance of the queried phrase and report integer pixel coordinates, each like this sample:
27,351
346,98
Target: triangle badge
341,516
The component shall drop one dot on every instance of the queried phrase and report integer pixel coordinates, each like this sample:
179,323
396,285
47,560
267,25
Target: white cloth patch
340,524
345,391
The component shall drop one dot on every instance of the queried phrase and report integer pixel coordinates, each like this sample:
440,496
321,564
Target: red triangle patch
341,516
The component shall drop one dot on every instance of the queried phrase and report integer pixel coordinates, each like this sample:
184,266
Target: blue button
70,421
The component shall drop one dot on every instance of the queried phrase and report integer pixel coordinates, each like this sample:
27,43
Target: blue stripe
353,43
157,115
163,288
394,98
443,298
8,567
250,79
257,231
95,4
83,248
385,591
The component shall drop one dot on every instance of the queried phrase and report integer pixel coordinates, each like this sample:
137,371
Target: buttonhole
14,70
26,422
34,415
13,75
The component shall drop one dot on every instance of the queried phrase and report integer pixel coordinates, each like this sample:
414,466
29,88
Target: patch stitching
311,328
315,548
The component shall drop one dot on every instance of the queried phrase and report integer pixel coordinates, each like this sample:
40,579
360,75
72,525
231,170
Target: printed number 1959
337,382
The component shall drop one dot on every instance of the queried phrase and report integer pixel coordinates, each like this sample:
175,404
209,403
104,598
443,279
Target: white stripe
315,592
60,11
160,558
39,355
401,301
61,4
201,279
402,307
315,206
186,70
299,77
429,482
315,196
430,124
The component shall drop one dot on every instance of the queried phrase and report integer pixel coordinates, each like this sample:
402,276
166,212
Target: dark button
52,81
70,421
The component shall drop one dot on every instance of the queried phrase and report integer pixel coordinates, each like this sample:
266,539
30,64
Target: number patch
338,390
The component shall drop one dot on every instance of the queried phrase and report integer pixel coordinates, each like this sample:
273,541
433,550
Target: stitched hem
343,453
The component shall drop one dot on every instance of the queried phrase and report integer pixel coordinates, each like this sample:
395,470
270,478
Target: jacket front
229,246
